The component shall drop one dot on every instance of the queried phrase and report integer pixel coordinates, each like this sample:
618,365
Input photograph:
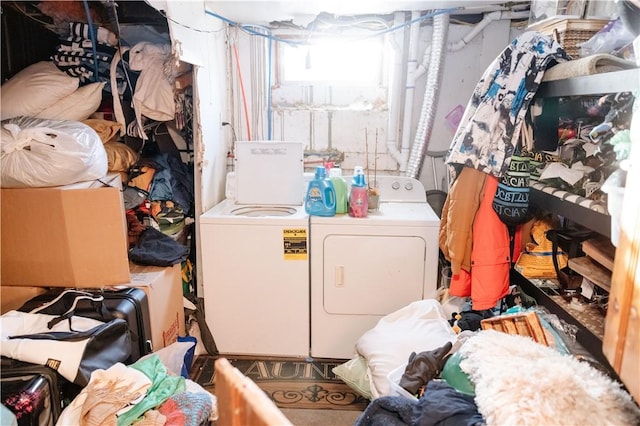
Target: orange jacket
487,279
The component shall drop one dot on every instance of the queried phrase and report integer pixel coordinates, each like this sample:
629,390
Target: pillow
34,89
78,106
354,374
420,326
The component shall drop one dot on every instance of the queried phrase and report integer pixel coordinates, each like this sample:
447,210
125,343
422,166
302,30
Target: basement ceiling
301,12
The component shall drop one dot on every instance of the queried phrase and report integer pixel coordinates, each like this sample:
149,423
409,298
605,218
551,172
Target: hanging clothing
490,126
153,96
458,213
490,255
487,280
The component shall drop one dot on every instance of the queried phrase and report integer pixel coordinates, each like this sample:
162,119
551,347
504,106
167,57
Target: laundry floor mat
289,382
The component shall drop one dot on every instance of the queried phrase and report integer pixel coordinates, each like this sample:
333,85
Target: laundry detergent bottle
321,195
340,185
358,197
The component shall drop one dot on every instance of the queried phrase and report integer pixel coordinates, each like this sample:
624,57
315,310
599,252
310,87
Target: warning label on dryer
294,244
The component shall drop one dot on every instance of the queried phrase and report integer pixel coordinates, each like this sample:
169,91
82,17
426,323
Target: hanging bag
511,201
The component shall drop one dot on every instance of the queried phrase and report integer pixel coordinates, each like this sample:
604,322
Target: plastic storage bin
394,380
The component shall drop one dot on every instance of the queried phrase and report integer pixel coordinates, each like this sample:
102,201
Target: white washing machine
255,255
365,268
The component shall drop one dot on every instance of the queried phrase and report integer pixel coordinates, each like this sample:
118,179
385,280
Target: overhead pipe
473,33
480,26
430,100
394,92
409,91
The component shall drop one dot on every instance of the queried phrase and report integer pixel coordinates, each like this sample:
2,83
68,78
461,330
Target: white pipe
480,26
409,91
424,128
415,71
431,93
395,87
475,31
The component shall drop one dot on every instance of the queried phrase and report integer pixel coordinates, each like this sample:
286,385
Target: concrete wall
327,118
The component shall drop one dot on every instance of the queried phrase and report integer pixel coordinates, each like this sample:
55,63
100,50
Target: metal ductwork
430,101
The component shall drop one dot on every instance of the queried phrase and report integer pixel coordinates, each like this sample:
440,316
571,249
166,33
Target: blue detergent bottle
321,195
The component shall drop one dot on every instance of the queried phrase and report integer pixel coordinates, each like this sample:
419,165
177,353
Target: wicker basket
570,33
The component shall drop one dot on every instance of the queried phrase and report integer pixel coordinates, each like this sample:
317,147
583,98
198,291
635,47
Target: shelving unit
589,338
590,333
598,222
611,82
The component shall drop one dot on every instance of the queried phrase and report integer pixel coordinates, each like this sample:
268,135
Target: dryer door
372,274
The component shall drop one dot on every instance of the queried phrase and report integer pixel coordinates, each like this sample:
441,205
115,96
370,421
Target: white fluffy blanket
520,382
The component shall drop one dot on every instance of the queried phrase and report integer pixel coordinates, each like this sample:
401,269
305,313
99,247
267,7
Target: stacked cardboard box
75,236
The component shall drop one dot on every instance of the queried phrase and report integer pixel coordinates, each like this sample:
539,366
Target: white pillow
420,326
34,89
78,106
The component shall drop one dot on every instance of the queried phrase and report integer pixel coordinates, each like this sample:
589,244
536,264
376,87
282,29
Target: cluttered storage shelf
589,210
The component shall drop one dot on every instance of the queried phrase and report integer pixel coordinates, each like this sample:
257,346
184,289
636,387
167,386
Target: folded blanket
594,64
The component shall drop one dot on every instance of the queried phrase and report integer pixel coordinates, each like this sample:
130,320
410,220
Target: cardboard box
163,286
65,236
11,298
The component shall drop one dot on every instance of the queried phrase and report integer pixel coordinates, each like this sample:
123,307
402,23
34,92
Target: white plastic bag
614,188
613,36
172,356
36,152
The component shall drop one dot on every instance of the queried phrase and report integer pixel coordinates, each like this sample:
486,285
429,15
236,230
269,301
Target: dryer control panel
401,189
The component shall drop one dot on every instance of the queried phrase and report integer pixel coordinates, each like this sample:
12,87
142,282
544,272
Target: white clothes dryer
255,264
365,268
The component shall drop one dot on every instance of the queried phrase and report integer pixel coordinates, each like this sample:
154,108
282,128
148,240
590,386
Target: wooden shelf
601,250
588,268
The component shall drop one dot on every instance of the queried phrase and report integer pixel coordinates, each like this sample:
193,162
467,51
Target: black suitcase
31,391
130,304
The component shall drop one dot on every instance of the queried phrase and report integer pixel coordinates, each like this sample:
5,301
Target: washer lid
269,173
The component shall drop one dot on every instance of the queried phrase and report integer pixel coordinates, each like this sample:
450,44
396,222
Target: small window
333,60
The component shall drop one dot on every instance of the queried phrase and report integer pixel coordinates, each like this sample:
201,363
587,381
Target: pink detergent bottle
358,198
